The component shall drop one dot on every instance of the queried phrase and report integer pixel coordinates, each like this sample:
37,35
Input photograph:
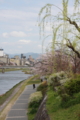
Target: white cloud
48,28
14,34
30,29
5,43
70,10
19,46
41,47
22,45
18,34
24,41
5,35
16,14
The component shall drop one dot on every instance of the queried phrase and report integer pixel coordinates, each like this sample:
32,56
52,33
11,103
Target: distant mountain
34,55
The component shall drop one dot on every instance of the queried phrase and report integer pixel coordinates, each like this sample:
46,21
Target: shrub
79,116
46,77
62,92
70,101
54,79
77,76
44,83
42,87
35,99
58,76
65,97
33,110
34,102
72,86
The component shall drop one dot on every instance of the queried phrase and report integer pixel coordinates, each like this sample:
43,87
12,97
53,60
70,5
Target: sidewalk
19,109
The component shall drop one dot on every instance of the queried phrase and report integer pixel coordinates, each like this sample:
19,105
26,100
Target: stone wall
42,112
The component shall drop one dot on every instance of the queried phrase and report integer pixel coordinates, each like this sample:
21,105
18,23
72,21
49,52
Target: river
9,79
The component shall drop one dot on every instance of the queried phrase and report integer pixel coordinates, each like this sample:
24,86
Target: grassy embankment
57,112
64,106
4,112
10,69
25,70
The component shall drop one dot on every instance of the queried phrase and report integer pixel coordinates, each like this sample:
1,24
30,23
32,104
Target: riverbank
15,94
25,70
9,69
62,103
4,97
56,112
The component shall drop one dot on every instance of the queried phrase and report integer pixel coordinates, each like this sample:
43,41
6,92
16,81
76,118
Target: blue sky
19,32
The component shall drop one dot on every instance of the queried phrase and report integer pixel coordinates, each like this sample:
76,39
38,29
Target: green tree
65,28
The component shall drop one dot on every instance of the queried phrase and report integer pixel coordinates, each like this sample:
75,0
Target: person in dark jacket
33,86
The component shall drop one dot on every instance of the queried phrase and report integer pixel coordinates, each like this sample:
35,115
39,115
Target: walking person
33,86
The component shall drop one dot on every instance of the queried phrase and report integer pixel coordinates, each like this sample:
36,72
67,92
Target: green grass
10,69
30,115
26,71
71,101
15,69
32,109
34,80
56,111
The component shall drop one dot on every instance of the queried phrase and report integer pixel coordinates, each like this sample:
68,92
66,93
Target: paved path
19,109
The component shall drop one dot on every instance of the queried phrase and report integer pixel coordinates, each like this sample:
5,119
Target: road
19,109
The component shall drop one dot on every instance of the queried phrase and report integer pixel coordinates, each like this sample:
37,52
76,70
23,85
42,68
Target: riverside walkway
19,109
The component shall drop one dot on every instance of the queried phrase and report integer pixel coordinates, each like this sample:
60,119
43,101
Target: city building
31,60
15,61
1,53
4,58
23,60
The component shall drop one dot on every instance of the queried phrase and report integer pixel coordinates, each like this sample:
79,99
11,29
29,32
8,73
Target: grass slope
55,110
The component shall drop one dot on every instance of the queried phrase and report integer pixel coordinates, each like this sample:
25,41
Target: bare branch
73,49
73,23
